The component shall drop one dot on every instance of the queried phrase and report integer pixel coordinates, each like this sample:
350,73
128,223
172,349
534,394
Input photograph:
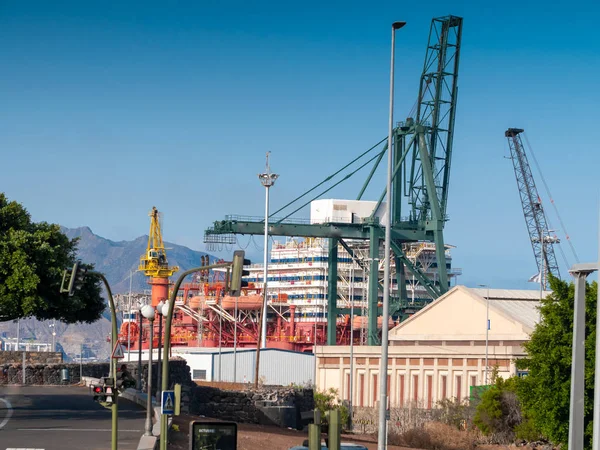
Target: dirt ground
258,437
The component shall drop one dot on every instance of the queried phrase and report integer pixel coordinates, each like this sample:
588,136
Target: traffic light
75,280
104,393
238,272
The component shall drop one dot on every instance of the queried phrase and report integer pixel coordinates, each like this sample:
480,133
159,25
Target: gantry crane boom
535,218
154,262
422,152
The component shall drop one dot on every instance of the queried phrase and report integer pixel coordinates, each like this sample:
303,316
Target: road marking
11,448
76,429
9,412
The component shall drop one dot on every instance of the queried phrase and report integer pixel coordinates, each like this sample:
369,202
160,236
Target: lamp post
53,326
487,329
148,313
382,431
139,372
267,179
159,309
129,319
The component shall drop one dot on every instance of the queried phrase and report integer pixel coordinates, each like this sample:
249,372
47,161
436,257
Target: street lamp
148,313
159,311
487,329
382,431
267,179
53,326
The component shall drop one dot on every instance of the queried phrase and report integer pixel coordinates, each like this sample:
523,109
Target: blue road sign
168,402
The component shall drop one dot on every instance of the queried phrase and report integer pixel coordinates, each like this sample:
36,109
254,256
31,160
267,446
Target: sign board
213,435
168,402
117,352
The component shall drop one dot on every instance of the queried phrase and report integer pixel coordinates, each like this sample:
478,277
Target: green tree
32,259
499,410
544,393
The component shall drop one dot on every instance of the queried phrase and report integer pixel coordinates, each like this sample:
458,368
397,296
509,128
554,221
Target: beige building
440,351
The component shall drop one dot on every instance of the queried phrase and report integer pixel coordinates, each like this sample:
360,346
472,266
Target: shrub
328,400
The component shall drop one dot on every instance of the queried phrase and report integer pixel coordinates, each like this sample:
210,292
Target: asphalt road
63,418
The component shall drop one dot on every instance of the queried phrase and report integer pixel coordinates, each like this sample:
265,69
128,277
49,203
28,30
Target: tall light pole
148,313
267,179
159,309
487,329
382,434
129,320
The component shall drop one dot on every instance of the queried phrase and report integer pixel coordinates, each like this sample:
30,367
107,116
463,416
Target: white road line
9,412
76,429
11,448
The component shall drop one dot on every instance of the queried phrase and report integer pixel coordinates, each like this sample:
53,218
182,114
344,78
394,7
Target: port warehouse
440,351
277,367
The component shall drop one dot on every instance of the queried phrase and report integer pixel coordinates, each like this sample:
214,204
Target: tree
544,393
499,412
32,259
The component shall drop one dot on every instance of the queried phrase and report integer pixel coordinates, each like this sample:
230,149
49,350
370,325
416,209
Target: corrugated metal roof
520,305
510,294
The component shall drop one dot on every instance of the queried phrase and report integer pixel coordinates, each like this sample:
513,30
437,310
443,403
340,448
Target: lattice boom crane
541,240
154,262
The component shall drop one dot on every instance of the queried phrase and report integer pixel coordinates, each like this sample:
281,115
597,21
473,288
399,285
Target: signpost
168,402
117,352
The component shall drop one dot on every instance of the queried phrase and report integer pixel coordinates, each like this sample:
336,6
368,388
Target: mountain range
118,261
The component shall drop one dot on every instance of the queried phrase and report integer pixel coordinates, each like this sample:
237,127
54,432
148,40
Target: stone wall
248,405
13,357
50,374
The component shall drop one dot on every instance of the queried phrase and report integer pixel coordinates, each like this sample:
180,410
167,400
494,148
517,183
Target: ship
205,316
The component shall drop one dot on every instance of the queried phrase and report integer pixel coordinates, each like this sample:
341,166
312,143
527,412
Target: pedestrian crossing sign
118,352
168,402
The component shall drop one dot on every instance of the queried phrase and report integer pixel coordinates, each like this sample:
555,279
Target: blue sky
109,108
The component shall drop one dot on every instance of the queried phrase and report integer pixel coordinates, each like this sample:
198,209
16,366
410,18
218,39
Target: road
63,418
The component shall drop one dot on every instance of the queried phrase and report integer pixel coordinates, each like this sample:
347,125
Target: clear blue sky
109,108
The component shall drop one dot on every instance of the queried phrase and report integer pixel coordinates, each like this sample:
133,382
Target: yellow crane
154,262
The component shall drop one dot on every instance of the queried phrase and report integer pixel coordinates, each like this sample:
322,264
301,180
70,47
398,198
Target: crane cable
562,224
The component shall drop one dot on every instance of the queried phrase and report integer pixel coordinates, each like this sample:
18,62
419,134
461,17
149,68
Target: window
429,391
374,389
401,391
473,380
361,379
415,388
199,374
458,387
444,392
347,386
388,392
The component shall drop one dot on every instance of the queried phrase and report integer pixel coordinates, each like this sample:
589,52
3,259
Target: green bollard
335,430
314,437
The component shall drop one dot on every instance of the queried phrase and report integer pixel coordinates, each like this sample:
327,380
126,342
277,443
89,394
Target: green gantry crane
422,153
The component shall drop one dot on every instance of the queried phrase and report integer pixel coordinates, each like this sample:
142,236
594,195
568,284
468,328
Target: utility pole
383,369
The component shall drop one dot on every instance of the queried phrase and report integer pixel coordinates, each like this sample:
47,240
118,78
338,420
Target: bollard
24,368
314,437
335,430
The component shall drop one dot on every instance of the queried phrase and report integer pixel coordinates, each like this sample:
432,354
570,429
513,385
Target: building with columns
440,351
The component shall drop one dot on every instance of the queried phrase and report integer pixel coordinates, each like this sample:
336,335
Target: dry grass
435,436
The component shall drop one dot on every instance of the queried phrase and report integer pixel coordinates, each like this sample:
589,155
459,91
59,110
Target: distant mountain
116,260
